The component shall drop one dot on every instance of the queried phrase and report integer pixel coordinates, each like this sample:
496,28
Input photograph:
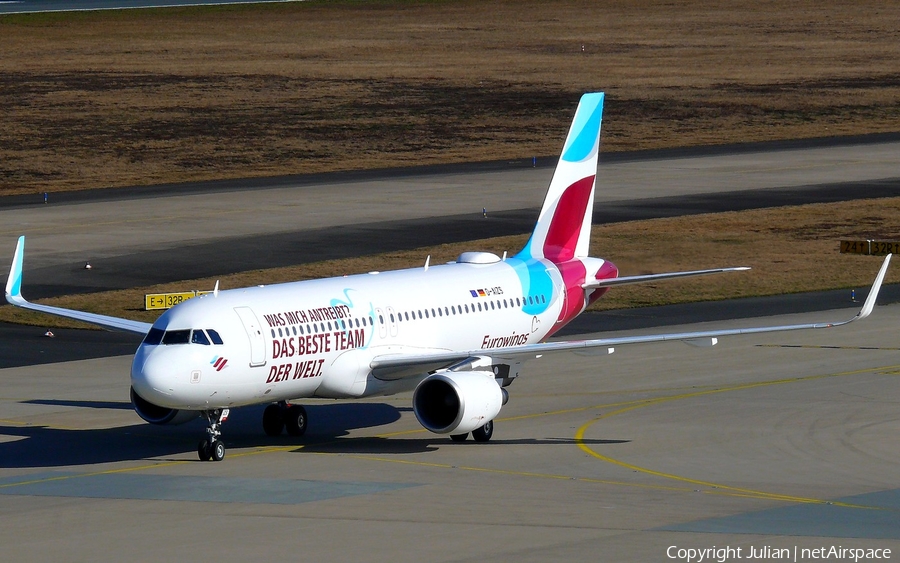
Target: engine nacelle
458,402
155,414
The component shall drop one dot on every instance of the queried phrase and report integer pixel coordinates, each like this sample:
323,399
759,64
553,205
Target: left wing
14,297
399,366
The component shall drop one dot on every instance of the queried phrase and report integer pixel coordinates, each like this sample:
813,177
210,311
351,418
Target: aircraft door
255,334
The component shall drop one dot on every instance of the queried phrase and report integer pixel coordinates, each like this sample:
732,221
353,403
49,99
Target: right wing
611,282
398,366
14,297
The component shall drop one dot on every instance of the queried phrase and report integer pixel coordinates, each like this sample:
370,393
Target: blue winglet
14,283
14,296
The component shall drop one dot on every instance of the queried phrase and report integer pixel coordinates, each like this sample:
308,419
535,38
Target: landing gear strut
212,447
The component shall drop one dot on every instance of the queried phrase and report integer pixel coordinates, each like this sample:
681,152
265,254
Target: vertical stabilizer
563,229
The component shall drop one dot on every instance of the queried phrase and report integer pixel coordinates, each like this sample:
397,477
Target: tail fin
563,229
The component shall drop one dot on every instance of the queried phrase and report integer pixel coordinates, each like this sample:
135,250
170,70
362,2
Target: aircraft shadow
388,446
43,446
115,405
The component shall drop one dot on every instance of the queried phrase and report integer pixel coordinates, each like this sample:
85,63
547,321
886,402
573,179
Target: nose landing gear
212,447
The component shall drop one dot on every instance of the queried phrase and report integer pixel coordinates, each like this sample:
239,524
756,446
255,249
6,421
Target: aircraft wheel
218,450
484,433
295,420
459,437
204,451
273,420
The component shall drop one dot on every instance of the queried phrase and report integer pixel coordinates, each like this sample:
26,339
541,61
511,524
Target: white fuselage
317,338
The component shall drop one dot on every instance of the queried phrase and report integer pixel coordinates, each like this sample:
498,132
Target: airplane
455,334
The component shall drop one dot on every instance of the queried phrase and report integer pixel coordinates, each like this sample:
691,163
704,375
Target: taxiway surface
777,441
781,441
141,237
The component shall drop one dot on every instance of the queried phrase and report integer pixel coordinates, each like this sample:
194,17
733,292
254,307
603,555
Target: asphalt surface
768,442
142,236
763,442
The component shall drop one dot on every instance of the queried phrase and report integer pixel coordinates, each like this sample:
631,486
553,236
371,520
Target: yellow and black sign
165,300
870,247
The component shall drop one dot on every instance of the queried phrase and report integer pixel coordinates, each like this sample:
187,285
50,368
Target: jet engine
457,402
154,414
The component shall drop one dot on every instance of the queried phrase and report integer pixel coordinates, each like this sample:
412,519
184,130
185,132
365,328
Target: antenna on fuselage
427,261
216,289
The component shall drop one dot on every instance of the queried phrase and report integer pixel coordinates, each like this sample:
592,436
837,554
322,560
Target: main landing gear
282,416
212,447
482,434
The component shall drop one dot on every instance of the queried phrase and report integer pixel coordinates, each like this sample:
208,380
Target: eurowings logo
218,362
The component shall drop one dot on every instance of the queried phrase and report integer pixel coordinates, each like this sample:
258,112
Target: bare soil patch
152,96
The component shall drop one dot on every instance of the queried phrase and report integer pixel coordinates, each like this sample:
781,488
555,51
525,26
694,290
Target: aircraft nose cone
150,377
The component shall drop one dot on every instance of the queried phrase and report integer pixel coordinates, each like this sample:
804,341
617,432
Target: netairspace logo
728,553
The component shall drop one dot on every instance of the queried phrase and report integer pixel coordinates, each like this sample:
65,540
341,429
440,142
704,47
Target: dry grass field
791,249
101,99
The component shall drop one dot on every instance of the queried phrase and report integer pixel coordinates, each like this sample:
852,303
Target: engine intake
155,414
457,402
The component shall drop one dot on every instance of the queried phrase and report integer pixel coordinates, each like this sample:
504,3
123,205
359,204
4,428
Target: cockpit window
198,337
154,337
214,336
176,337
